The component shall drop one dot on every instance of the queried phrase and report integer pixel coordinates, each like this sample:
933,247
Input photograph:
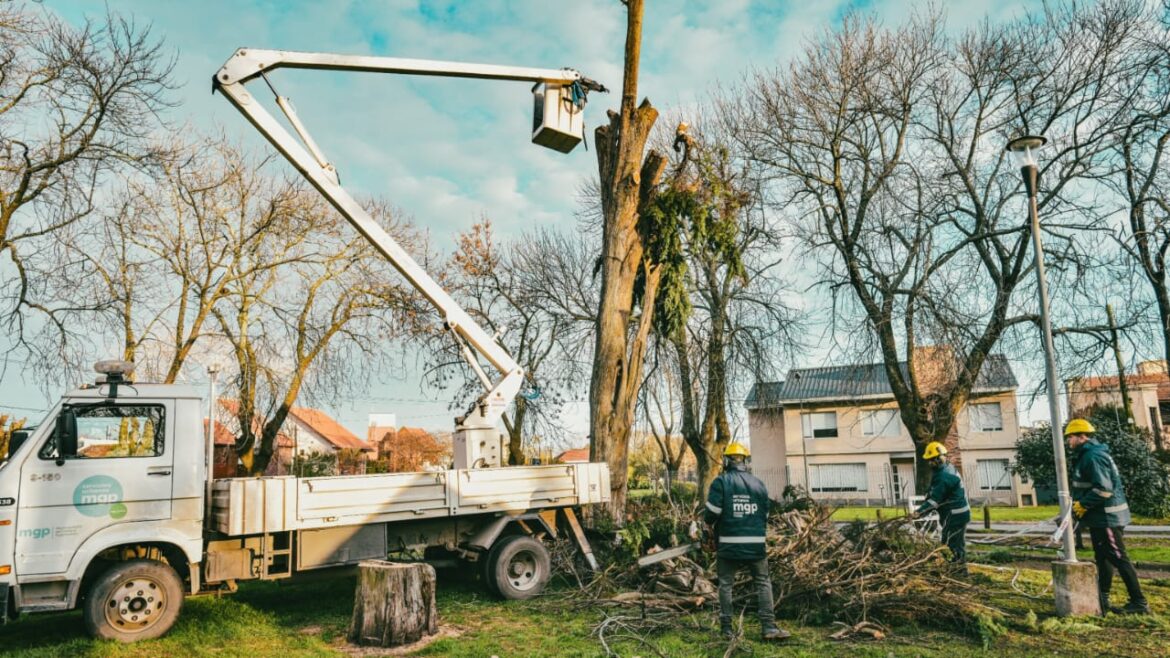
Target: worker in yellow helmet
1099,504
949,499
737,509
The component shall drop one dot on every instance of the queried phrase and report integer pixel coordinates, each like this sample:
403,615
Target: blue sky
448,151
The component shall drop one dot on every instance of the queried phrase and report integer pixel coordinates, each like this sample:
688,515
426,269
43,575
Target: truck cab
113,476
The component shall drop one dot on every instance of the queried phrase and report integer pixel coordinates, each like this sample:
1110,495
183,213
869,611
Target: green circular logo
99,495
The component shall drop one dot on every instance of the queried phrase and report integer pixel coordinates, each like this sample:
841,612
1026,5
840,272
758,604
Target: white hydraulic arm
476,436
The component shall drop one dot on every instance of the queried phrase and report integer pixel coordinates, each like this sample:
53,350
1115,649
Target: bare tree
166,250
75,103
886,148
1140,177
623,326
659,409
317,321
504,288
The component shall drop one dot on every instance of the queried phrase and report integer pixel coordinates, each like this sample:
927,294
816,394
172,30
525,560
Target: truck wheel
519,567
487,567
133,600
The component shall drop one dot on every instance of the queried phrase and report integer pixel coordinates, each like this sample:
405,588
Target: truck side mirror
16,440
65,432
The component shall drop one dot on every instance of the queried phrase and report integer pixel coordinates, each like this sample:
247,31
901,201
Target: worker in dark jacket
737,510
949,499
1099,504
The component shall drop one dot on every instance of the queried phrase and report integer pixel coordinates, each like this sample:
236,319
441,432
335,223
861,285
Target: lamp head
1023,149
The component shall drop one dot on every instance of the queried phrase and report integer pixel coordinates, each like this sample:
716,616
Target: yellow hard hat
736,449
1079,426
933,450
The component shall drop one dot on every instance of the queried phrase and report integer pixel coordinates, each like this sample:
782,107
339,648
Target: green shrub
1147,480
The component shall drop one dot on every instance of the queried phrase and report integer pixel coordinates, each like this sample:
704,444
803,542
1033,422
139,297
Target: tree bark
394,604
625,183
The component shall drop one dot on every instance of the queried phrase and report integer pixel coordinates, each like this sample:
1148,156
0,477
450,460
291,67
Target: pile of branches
863,577
885,571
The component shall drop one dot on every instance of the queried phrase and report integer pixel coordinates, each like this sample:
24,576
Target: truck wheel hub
522,570
135,604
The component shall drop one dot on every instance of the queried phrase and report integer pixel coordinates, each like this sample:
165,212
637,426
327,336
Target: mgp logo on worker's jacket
737,506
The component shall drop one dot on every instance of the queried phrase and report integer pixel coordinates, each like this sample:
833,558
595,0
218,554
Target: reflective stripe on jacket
1096,484
737,506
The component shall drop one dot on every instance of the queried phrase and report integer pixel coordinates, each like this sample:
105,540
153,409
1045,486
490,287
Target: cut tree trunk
394,604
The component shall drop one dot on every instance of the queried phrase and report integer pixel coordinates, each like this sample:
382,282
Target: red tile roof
324,426
223,436
1112,383
231,406
574,456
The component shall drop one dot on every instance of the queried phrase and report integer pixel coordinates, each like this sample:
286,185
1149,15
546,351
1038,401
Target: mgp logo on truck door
99,495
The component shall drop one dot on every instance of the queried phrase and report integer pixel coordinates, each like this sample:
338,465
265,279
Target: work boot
1136,608
726,632
773,633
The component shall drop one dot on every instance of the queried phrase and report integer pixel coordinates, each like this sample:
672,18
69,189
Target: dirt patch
354,650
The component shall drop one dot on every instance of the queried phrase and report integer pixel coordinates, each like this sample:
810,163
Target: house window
986,417
819,425
880,422
837,477
993,475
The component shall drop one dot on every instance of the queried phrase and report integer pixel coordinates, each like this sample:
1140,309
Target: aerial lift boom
560,98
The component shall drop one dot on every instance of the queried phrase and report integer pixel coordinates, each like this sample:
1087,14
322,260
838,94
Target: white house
836,431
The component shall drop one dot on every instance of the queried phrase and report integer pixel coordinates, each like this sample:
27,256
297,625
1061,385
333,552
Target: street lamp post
1023,150
213,377
1074,584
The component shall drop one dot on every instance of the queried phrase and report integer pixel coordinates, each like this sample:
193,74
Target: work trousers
954,535
727,569
1109,552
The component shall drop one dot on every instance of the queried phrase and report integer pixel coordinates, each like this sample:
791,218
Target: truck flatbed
253,506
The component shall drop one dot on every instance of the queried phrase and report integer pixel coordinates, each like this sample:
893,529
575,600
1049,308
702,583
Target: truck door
121,473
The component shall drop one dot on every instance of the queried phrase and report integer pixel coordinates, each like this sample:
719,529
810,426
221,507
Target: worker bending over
949,499
1099,503
737,510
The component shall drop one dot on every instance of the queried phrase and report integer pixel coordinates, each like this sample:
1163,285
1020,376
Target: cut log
394,604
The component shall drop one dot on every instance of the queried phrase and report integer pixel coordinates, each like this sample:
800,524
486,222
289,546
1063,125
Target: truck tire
133,600
487,567
518,567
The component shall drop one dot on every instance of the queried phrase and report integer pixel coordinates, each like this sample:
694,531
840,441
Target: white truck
110,504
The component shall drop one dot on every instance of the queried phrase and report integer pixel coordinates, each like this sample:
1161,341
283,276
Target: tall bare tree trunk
625,183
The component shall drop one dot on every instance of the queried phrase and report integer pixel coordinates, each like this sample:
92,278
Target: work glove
1078,509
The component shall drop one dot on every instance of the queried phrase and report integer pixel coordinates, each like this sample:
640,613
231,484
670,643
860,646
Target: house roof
328,429
854,382
223,436
576,455
1162,380
283,440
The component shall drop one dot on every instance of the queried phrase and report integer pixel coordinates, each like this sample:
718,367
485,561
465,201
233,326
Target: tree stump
394,604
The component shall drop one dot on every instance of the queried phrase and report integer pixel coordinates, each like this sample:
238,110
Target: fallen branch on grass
864,577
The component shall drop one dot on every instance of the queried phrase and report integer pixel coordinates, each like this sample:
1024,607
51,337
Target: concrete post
1075,586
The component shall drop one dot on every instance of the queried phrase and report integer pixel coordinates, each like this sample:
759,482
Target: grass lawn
998,514
309,619
1140,549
